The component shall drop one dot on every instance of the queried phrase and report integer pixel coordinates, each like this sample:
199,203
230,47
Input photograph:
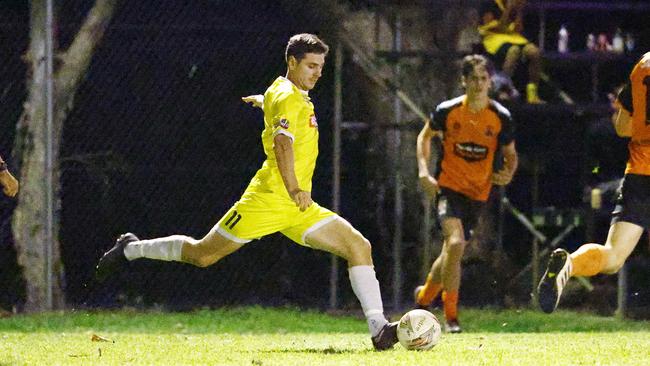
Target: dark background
159,143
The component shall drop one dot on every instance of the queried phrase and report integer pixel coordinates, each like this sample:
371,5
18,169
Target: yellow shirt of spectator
493,38
288,111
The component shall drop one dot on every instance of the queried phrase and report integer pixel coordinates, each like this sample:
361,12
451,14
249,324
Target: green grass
257,336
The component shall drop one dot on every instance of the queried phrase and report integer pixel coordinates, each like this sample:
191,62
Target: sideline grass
258,336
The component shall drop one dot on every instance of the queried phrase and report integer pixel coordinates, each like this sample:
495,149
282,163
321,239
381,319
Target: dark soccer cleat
114,259
452,326
386,338
556,276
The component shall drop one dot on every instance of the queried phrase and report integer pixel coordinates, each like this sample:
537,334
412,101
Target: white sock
166,249
366,287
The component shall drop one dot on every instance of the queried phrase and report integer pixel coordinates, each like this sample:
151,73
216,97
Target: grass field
287,336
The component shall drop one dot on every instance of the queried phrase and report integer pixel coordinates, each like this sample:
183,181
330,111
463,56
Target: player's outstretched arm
256,100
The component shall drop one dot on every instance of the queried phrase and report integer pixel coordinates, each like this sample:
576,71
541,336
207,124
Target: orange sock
588,260
450,301
429,292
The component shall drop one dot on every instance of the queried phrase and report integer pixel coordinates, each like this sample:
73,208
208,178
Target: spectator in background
501,28
469,38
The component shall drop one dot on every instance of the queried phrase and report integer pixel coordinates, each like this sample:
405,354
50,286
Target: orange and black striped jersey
635,98
470,140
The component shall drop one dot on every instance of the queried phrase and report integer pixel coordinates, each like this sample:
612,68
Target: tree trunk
29,150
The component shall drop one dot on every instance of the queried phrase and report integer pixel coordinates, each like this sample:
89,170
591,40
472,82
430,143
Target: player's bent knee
513,51
358,251
531,51
201,253
360,245
455,248
614,265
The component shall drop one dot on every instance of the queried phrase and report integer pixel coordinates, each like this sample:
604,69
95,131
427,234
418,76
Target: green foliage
289,336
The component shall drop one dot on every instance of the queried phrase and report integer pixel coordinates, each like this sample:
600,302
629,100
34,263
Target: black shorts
500,56
453,204
633,203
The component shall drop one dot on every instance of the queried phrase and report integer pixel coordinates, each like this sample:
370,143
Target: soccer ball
418,330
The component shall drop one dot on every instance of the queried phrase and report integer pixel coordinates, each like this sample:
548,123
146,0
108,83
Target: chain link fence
159,143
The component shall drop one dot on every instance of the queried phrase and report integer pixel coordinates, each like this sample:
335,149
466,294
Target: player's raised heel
556,276
113,259
453,326
386,338
416,293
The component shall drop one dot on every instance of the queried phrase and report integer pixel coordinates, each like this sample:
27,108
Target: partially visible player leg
425,294
511,59
592,259
621,241
181,248
340,238
453,248
534,58
589,260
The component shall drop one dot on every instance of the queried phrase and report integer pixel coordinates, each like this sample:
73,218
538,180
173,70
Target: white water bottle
618,45
591,42
563,40
629,42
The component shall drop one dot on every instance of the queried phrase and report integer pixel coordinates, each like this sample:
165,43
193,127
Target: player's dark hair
471,61
304,43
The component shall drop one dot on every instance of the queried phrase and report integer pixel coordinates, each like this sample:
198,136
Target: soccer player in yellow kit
278,198
632,213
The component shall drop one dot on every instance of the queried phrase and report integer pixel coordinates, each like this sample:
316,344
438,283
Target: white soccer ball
418,330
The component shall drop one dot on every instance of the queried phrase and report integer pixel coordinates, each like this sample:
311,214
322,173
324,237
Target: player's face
306,73
478,82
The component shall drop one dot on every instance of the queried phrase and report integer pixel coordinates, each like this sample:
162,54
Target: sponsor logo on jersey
312,121
470,151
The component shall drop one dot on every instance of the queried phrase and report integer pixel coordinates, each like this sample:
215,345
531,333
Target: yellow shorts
258,214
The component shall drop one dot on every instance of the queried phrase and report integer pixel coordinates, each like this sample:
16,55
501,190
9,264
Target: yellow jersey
288,111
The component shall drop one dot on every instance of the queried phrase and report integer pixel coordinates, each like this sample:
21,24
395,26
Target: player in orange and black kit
632,213
471,129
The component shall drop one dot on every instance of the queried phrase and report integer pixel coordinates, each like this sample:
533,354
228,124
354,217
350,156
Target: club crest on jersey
284,123
312,121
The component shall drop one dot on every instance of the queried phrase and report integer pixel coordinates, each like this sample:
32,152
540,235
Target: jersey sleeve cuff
281,131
